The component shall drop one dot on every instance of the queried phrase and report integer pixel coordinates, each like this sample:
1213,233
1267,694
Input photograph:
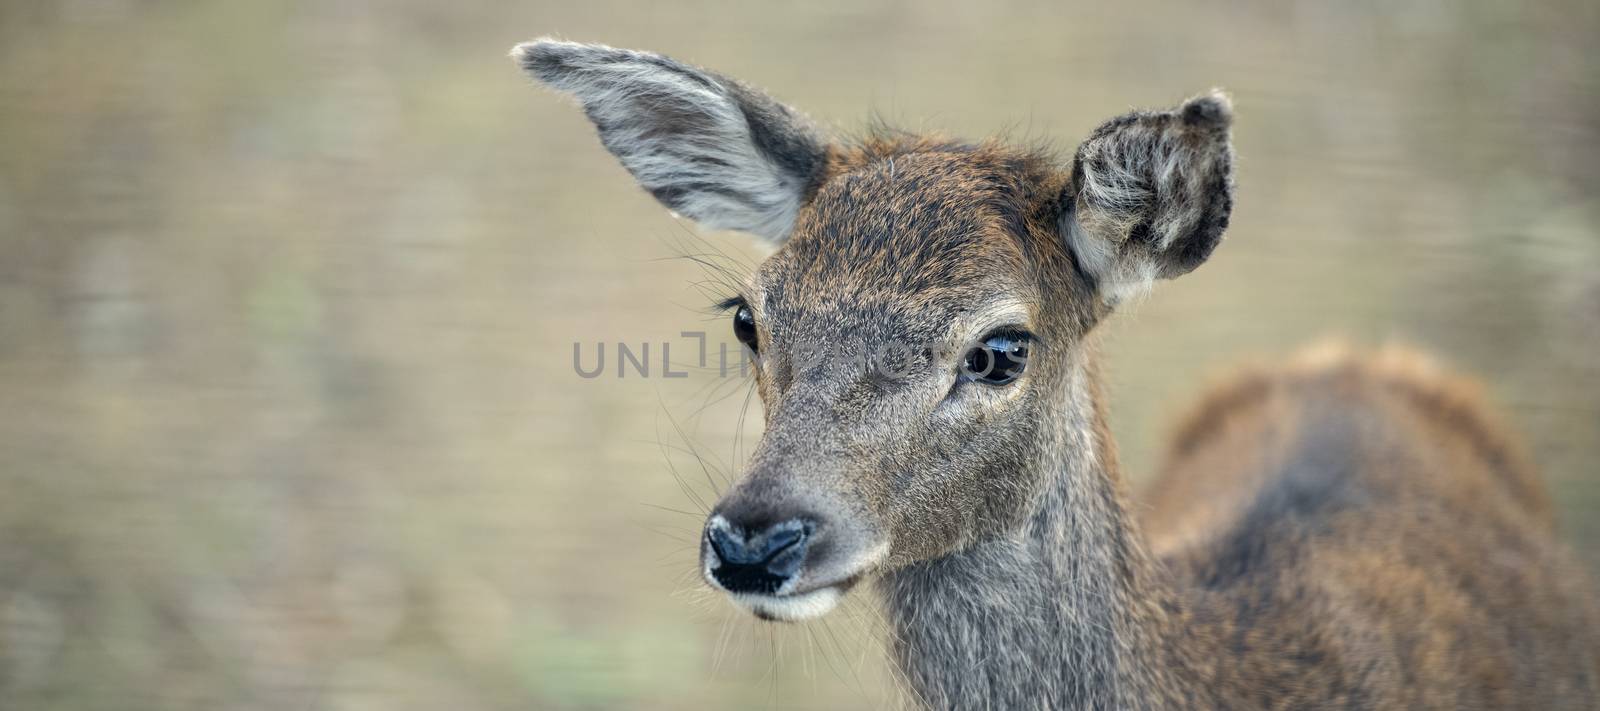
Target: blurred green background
289,291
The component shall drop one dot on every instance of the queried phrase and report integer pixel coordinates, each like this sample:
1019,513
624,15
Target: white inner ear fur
675,133
1118,281
1159,169
1123,195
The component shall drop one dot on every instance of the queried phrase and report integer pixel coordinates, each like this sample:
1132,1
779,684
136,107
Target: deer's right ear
1150,195
709,148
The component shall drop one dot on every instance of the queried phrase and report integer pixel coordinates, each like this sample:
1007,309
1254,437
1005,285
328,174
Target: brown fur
1420,572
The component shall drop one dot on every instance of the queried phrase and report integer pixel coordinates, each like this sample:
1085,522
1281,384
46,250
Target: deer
1341,528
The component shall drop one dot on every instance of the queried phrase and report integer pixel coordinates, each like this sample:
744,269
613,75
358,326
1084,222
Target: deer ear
709,148
1150,194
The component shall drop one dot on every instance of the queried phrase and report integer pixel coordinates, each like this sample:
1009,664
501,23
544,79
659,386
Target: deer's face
916,325
904,349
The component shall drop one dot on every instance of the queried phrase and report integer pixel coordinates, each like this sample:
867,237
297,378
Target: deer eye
998,360
744,328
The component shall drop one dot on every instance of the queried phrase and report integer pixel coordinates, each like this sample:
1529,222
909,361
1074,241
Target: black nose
759,560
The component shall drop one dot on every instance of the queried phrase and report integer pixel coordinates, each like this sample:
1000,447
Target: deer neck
1068,610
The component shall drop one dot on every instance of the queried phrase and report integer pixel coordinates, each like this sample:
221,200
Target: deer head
920,323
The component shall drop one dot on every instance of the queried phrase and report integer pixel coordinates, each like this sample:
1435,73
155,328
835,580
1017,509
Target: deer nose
756,559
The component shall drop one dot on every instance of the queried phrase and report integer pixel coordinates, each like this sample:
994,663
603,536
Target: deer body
1341,532
1336,532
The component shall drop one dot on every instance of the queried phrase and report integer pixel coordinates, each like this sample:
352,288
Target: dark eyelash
1015,333
730,303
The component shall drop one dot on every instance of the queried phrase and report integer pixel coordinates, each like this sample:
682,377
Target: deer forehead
920,242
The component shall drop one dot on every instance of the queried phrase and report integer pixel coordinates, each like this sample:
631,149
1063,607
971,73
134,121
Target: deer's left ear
1150,194
709,148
